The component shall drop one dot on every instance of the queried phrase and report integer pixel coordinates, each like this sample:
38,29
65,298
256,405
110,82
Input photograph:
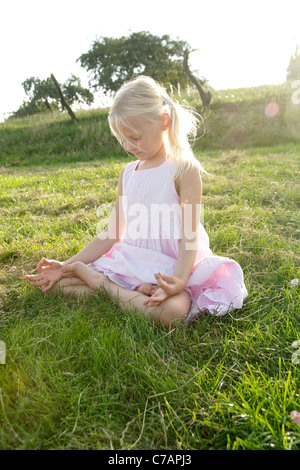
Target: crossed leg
72,286
87,281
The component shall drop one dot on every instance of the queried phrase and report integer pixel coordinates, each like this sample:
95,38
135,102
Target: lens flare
271,109
296,416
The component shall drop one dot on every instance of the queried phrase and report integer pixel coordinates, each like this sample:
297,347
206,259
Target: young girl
154,254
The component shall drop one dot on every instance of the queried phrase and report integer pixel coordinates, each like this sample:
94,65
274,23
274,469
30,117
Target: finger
152,304
48,287
154,300
149,300
44,264
38,283
41,263
166,278
163,278
46,268
32,277
159,279
164,285
154,296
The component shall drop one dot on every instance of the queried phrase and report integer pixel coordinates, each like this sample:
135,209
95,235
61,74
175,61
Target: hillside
236,120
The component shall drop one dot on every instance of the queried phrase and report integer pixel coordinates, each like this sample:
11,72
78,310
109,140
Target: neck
160,157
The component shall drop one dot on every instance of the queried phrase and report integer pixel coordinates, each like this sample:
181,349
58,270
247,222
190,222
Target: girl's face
145,139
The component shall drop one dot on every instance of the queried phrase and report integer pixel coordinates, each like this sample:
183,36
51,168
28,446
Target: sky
239,43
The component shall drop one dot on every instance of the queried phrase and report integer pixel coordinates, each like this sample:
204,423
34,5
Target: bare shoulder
192,175
121,173
189,185
120,182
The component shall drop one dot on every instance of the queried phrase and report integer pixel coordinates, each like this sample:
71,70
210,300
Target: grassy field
87,375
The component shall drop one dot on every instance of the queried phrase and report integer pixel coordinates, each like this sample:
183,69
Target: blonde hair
144,98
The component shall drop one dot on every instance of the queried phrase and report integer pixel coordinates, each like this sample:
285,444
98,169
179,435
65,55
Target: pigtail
183,129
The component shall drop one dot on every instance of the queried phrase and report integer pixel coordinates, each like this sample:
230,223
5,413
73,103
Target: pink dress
151,243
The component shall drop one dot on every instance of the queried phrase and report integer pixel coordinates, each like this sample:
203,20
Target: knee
176,309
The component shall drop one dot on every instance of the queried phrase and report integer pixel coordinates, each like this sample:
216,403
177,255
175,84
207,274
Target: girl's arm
189,187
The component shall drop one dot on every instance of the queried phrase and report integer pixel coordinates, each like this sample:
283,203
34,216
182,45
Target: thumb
42,262
166,278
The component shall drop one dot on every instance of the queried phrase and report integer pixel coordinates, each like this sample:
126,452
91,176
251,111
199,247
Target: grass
87,375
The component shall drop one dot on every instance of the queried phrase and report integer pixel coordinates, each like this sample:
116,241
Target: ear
166,121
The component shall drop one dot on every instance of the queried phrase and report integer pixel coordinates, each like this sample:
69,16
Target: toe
145,288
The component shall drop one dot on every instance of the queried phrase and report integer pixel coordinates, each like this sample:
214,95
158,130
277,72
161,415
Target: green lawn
87,375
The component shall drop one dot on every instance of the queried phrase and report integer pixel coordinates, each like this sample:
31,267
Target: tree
46,95
75,93
39,93
293,70
205,96
111,61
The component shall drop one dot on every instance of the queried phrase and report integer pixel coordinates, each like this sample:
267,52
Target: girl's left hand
157,298
167,286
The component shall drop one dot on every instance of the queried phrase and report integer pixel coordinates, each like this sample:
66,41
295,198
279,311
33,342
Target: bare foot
147,288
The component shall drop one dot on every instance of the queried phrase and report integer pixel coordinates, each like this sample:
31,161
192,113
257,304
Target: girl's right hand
48,276
49,262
